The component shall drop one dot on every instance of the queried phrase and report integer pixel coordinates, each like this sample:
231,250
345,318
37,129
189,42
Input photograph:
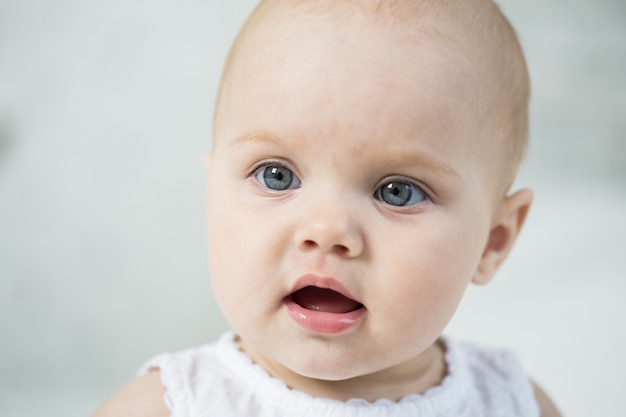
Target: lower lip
322,322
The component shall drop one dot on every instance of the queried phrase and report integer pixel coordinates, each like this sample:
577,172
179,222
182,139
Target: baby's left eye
400,193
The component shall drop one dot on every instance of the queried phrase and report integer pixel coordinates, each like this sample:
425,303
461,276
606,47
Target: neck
415,376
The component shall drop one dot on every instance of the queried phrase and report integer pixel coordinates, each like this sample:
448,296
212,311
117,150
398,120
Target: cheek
226,230
434,270
454,255
242,246
230,264
229,223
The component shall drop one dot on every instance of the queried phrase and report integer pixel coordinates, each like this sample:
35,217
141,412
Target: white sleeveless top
218,380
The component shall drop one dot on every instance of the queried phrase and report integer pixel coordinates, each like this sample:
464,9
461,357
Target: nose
331,228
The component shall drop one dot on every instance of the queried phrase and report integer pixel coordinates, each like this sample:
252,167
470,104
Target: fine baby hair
363,152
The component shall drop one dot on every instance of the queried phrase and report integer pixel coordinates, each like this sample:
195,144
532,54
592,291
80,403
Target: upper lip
312,280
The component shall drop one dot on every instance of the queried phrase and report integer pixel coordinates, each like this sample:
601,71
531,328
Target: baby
358,183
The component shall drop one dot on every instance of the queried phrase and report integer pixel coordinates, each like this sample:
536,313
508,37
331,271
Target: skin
331,107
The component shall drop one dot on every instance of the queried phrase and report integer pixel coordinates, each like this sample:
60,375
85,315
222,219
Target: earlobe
507,223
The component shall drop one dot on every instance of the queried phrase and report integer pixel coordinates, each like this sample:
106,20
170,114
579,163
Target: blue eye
399,193
277,177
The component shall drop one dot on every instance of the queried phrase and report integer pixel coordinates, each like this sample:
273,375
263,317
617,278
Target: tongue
324,299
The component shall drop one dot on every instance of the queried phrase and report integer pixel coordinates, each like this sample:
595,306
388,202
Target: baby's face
347,212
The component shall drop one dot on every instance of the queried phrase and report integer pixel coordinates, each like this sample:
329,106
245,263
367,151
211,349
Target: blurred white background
105,115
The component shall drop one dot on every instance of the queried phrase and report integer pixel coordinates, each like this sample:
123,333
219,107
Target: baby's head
362,154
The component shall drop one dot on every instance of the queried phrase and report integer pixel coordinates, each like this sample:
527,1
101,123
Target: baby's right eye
277,177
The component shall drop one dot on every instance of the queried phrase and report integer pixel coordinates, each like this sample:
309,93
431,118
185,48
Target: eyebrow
403,157
256,137
409,158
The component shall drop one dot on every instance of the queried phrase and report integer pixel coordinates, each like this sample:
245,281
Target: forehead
337,71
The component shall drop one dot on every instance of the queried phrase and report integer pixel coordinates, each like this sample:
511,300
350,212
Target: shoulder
546,406
141,397
498,374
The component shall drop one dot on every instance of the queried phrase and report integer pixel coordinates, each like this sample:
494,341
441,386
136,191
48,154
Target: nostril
312,244
339,237
309,244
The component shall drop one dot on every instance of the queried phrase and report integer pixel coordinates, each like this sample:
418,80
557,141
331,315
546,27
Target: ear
507,222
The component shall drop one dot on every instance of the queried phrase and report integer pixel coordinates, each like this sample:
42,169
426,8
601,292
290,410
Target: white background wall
105,115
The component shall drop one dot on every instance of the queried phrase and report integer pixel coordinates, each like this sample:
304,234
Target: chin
328,372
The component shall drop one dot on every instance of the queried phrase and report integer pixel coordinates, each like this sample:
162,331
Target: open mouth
324,300
322,305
